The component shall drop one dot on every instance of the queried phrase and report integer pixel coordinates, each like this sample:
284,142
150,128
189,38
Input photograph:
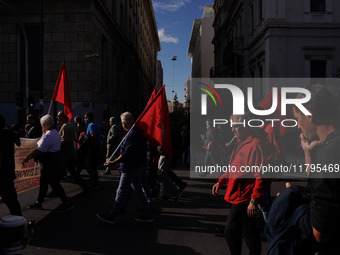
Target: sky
174,20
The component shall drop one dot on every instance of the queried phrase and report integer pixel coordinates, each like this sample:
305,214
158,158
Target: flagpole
49,108
140,116
121,143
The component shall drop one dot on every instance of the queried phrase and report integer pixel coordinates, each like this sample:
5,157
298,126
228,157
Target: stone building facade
109,47
201,50
283,38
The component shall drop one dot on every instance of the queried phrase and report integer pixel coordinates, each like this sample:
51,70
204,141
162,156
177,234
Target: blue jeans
130,179
208,158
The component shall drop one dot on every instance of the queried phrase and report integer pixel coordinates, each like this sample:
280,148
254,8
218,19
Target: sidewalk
190,226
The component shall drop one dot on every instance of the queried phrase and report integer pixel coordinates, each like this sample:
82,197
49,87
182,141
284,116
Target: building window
318,68
317,5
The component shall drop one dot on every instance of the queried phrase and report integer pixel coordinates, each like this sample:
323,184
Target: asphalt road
192,225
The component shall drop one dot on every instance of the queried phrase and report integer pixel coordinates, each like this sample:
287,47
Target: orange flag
61,92
155,121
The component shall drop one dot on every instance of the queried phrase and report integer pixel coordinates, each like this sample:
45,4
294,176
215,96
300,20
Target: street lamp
173,73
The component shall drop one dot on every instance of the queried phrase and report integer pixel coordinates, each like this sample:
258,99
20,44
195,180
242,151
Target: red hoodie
243,186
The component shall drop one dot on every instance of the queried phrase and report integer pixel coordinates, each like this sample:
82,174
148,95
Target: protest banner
28,176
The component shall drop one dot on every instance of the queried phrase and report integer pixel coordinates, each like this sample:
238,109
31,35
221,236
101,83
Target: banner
27,177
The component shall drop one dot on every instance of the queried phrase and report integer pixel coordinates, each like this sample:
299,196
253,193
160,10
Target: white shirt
50,141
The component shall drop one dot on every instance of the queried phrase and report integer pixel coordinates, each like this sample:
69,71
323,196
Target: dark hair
89,115
81,125
114,120
31,116
322,105
62,114
77,118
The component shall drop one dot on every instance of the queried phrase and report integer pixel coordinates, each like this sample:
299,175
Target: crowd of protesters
301,220
65,152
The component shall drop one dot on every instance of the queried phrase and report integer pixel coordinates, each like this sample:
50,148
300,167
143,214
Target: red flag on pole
155,121
61,92
153,94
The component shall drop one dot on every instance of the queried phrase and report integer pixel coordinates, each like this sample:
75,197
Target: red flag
153,94
155,121
266,103
61,92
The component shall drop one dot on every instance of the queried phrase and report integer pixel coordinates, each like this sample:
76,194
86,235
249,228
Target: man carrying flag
132,161
155,123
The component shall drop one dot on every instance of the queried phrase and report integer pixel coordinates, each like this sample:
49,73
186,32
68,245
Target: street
193,225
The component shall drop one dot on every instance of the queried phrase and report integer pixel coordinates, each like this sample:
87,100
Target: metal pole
173,73
50,107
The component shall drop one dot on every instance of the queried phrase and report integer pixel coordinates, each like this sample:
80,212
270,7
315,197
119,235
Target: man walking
244,190
48,154
93,140
68,137
132,161
112,141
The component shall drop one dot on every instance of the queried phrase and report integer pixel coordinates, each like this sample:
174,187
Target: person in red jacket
244,189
